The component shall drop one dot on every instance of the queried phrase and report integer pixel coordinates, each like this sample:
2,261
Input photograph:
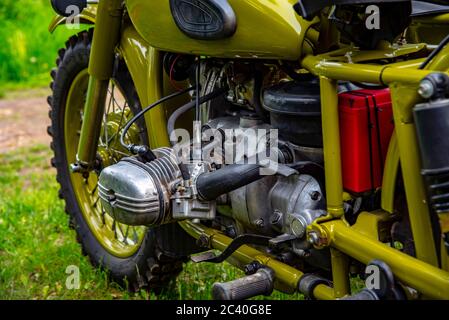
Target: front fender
87,16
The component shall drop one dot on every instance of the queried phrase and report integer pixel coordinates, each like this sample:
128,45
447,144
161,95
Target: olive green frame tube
285,274
404,95
427,279
384,74
441,61
331,146
106,37
404,98
340,273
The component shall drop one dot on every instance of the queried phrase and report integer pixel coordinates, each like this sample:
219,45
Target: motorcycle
340,109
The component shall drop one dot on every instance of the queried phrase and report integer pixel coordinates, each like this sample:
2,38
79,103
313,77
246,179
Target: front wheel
130,254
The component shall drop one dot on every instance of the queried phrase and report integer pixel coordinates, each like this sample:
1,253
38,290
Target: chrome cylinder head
137,193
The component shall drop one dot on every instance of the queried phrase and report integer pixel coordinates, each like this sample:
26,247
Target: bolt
230,231
252,267
426,89
315,195
313,238
298,227
249,269
203,241
75,167
259,223
275,217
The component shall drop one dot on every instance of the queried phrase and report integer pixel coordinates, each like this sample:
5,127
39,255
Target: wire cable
432,55
137,149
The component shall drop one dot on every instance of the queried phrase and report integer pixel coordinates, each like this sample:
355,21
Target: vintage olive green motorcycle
343,106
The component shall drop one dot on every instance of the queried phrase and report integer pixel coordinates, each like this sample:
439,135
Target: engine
235,194
283,204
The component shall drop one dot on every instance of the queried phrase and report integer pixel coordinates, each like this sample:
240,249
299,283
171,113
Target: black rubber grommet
308,282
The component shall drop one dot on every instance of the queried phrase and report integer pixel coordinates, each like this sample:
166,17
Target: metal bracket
283,238
209,256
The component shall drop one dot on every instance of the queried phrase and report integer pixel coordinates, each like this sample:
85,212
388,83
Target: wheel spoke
103,213
125,239
120,152
116,134
96,201
93,190
135,235
115,100
114,228
122,234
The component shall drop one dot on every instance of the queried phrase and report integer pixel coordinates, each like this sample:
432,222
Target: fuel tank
268,29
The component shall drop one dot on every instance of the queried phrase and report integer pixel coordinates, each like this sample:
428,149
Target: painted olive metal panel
265,29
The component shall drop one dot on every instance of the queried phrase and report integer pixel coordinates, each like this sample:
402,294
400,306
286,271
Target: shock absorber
432,125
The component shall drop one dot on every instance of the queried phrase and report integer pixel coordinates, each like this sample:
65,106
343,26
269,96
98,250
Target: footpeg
259,283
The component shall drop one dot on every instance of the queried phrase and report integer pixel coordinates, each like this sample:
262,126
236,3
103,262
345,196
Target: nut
203,241
259,223
313,238
426,89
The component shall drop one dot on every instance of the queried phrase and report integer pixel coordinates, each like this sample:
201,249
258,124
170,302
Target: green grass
28,50
37,245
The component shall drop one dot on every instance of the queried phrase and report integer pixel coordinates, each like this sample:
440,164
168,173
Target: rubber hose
178,112
211,185
260,111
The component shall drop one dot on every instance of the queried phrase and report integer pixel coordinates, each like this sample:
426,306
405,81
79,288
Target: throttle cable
141,149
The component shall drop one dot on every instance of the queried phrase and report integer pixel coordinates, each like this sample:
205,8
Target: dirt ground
24,119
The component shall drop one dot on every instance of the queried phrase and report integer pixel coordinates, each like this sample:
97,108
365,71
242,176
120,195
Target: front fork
105,39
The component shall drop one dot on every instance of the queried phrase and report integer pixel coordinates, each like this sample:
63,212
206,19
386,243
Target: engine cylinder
137,193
